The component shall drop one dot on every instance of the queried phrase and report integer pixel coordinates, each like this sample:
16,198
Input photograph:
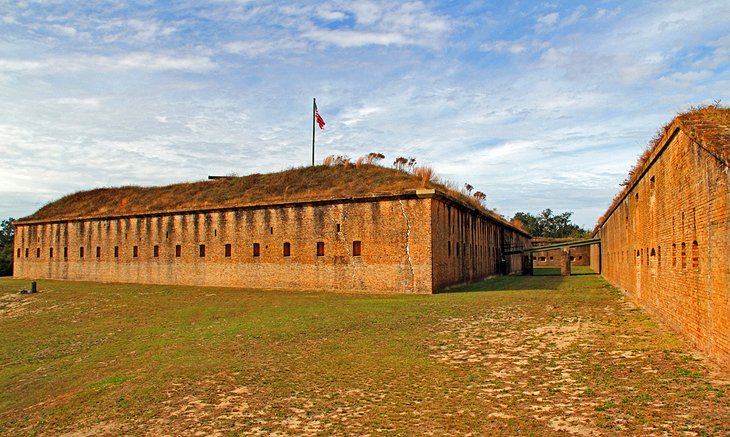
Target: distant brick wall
580,256
245,247
468,247
668,244
596,258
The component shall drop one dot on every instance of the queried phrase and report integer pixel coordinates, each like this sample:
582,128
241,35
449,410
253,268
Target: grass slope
513,355
304,183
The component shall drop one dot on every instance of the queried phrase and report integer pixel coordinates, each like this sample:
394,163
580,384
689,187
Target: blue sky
539,105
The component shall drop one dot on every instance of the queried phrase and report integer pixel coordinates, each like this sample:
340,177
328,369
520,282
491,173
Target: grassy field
540,355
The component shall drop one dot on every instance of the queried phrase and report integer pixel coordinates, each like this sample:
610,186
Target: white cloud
574,16
130,61
353,38
514,46
253,48
547,21
330,15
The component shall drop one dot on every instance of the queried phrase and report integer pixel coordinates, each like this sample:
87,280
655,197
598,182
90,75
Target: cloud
144,61
547,22
383,23
514,47
330,15
254,48
353,38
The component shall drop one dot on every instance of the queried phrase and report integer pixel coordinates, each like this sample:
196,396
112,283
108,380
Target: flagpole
314,106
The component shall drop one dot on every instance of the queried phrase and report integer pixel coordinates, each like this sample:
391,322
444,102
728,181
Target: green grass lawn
543,355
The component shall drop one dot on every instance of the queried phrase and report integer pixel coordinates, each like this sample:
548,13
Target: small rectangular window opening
202,250
50,252
135,251
227,251
356,248
156,251
338,227
271,230
449,248
81,252
98,251
26,252
287,248
38,252
256,249
65,252
320,248
457,249
116,251
18,252
178,251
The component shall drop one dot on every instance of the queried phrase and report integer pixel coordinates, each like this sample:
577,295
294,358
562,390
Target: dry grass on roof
305,183
708,125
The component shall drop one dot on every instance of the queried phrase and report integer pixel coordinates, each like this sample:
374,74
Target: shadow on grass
511,282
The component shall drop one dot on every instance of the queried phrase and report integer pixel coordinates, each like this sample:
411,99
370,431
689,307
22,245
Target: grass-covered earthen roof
708,126
302,184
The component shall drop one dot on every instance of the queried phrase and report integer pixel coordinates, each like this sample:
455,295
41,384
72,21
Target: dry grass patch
514,355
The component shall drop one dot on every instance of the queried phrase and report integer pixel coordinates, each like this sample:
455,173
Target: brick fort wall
667,243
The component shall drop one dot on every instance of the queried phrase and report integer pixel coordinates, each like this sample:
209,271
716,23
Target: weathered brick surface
580,256
667,243
468,247
396,236
595,251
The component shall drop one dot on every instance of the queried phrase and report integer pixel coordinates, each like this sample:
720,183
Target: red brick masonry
420,241
667,241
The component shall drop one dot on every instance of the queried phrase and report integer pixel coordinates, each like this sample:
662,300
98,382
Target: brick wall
596,258
468,246
580,256
245,247
668,243
394,237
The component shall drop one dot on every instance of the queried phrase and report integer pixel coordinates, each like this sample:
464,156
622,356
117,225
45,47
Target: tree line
548,224
7,233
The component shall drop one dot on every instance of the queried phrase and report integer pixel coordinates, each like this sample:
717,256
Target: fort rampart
666,241
415,242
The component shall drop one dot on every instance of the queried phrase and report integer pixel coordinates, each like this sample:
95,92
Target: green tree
7,233
548,224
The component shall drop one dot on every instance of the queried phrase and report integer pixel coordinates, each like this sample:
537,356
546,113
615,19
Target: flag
320,120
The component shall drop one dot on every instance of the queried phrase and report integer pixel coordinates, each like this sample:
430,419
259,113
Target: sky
537,104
